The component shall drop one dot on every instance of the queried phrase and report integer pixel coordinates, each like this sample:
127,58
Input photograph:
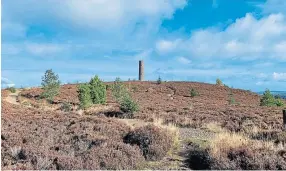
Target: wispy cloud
279,76
247,38
5,82
183,60
44,49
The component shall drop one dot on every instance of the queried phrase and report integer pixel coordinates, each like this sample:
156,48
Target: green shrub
127,105
84,96
119,90
97,91
269,100
159,80
123,97
231,99
12,89
279,102
51,85
193,93
219,82
66,107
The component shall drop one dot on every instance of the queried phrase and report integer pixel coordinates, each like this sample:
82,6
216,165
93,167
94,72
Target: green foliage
193,93
219,82
123,97
118,90
97,91
93,92
231,99
66,107
279,102
51,85
84,96
128,105
12,89
269,100
159,81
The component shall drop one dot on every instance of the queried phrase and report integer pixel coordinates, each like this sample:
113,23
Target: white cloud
259,83
13,30
247,38
165,46
205,72
43,49
143,55
5,82
262,75
10,49
99,14
183,60
279,76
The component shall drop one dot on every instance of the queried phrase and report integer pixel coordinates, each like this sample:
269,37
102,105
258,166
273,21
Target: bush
219,82
269,100
249,158
84,96
231,99
159,81
12,89
113,156
97,91
279,102
153,141
122,96
127,105
66,107
118,89
198,158
193,93
51,85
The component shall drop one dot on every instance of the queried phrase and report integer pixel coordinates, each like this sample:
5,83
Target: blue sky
241,42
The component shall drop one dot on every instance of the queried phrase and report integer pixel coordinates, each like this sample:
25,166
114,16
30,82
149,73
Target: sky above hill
241,42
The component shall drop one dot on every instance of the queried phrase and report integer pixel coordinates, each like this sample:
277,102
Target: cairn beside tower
141,70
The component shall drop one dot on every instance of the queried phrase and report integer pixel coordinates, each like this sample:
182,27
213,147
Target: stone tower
141,70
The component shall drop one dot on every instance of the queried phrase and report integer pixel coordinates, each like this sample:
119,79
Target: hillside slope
171,101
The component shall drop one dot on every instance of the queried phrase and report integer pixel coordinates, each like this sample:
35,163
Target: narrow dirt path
12,98
176,159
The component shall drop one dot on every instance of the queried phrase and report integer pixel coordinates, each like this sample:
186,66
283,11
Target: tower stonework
141,70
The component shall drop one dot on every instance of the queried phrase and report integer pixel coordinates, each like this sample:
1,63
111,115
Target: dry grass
98,108
159,122
213,127
224,141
